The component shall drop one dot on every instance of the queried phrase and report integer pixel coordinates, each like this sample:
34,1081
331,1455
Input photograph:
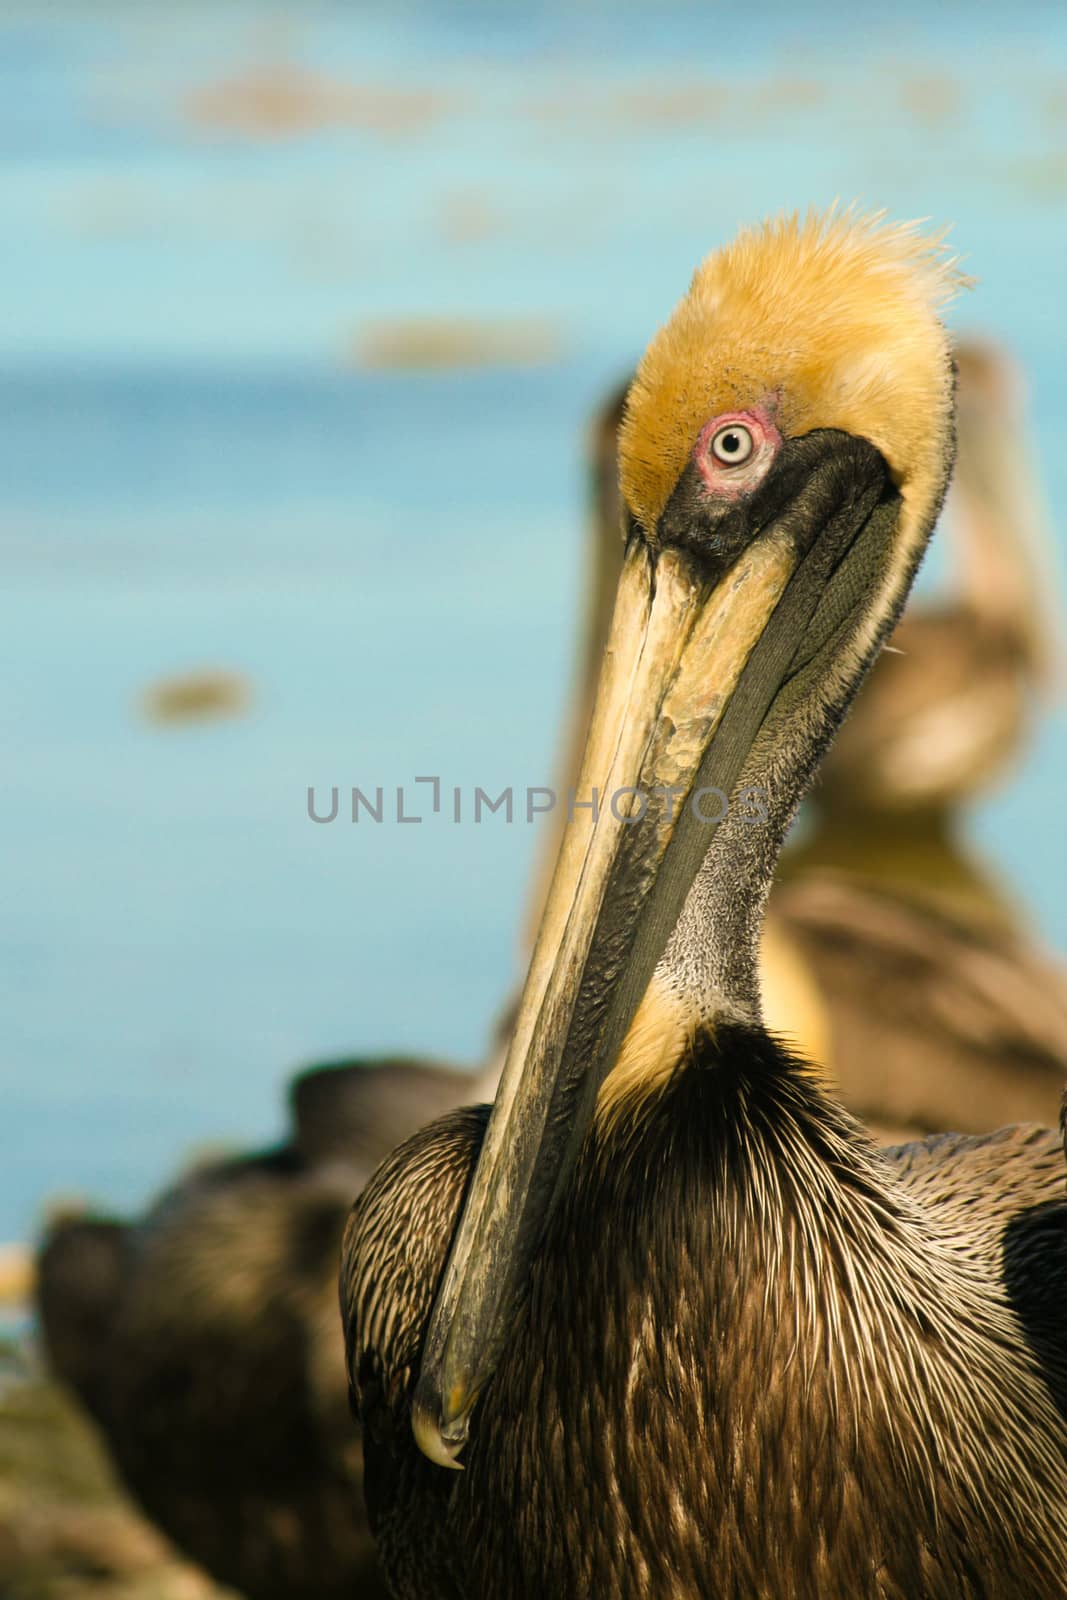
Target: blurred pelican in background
934,1005
885,928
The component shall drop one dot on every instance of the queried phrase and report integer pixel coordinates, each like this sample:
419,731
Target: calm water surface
196,472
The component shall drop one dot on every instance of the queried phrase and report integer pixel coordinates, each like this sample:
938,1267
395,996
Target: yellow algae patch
441,343
196,697
274,102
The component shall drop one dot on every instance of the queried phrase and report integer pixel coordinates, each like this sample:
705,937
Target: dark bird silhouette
691,1333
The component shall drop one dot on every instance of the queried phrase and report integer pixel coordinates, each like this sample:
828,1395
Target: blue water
194,473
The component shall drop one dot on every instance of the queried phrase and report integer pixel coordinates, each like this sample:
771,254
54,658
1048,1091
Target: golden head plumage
832,320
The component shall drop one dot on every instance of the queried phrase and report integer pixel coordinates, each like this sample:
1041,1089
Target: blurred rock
66,1530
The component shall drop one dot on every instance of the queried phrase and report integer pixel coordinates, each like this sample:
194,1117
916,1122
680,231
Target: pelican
686,1330
203,1339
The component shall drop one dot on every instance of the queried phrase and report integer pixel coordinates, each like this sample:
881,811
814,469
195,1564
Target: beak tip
439,1438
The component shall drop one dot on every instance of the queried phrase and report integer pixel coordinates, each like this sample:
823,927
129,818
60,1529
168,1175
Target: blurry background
303,312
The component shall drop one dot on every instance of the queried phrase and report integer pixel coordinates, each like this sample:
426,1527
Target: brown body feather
756,1357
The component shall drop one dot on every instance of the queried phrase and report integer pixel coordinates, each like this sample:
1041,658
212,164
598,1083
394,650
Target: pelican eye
732,444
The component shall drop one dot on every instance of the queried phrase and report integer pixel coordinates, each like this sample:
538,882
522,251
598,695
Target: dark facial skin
822,470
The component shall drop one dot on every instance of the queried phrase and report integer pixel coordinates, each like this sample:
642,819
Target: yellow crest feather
832,319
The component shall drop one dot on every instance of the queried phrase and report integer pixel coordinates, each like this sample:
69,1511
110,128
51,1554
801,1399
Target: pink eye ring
736,450
733,444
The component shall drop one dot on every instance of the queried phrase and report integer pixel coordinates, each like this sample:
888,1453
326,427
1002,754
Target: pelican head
786,446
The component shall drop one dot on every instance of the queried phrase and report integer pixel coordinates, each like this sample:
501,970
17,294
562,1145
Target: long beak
690,670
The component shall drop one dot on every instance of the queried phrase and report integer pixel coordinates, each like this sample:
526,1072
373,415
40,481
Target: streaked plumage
692,1334
589,1434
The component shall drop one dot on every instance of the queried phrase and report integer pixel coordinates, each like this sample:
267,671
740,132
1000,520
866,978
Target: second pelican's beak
709,630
